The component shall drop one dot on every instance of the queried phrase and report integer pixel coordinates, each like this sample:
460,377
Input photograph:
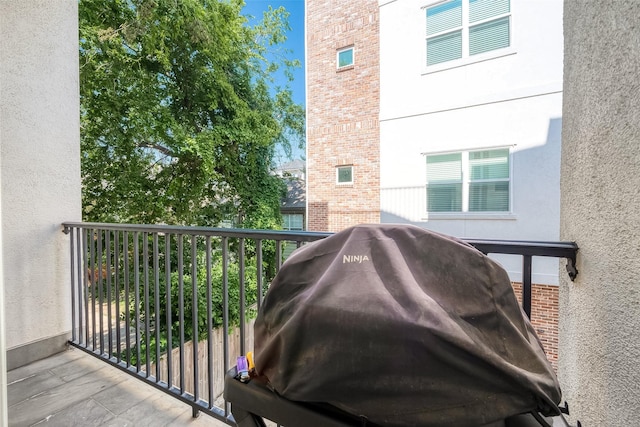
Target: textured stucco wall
39,164
600,210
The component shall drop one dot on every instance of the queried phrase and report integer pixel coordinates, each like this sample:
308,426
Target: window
345,57
462,28
344,175
469,181
292,222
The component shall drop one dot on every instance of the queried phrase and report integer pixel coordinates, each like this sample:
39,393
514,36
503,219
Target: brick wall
342,114
544,316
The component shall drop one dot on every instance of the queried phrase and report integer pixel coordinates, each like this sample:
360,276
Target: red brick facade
544,317
342,114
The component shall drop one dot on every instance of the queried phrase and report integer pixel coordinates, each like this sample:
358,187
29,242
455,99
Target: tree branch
161,148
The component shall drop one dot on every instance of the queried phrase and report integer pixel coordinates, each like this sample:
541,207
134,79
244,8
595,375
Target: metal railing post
156,300
168,290
116,279
73,294
194,322
109,290
181,307
526,284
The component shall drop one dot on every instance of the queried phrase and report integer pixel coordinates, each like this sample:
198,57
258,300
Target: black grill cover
403,326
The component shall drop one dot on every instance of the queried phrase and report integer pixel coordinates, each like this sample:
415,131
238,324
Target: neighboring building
293,209
293,206
343,169
295,168
470,119
469,95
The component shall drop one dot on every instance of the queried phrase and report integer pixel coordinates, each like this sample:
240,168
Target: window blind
444,198
489,197
484,26
443,17
489,181
444,48
485,9
292,221
490,164
484,181
489,36
444,167
446,17
444,183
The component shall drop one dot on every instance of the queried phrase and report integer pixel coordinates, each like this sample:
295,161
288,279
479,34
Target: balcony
159,314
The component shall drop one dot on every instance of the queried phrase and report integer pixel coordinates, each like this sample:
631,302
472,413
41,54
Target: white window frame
465,59
466,181
338,175
353,57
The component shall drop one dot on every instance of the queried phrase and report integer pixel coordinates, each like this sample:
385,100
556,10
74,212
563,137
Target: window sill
345,68
470,216
468,60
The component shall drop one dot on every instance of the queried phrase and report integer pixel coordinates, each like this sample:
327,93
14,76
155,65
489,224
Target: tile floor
75,389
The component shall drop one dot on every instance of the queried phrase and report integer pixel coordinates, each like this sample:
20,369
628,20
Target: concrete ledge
28,353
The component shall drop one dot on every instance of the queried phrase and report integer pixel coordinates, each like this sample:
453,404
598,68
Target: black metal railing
528,249
174,305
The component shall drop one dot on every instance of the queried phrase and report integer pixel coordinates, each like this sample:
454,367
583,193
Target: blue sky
295,43
295,38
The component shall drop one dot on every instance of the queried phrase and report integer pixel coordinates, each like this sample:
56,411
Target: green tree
158,315
179,115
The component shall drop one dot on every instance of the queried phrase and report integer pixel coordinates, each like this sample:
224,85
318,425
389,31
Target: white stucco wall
514,100
532,65
39,164
599,341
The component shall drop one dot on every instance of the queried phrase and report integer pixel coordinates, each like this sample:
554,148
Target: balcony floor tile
75,389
